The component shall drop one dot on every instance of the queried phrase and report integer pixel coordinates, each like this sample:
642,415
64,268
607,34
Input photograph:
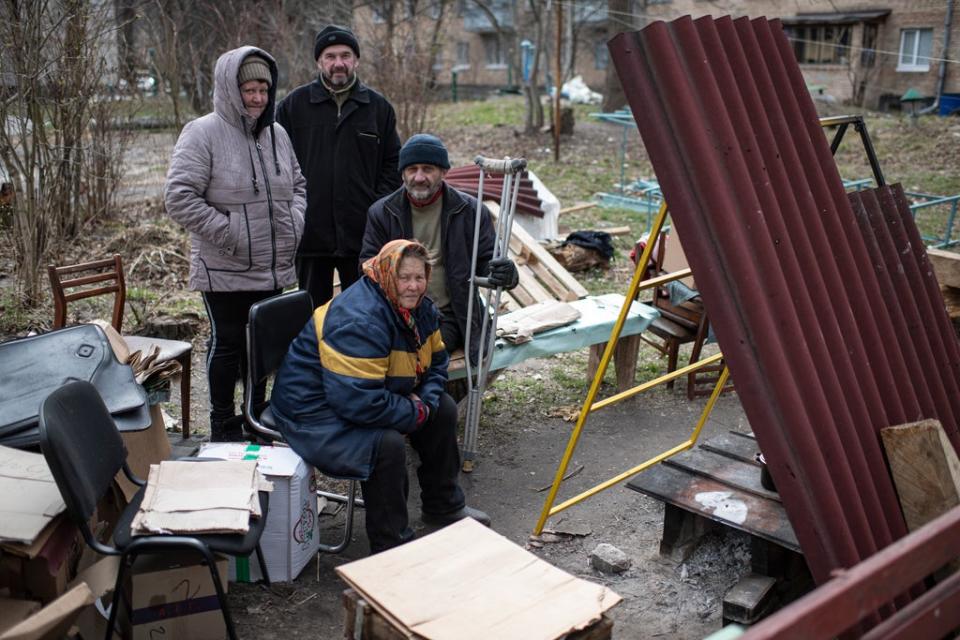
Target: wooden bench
717,484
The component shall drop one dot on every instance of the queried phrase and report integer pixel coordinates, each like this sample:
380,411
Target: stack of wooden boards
947,265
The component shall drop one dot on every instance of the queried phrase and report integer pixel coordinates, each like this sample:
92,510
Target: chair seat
665,328
169,349
266,417
230,544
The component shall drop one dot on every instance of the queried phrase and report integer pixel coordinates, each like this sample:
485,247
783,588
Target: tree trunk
618,12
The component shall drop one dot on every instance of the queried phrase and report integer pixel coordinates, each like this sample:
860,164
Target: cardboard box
144,448
29,497
291,537
173,597
467,582
52,622
42,569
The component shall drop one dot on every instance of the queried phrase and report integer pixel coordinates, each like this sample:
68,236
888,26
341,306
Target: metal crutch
477,375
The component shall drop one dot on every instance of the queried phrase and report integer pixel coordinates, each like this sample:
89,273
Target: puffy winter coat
391,218
234,183
347,377
349,155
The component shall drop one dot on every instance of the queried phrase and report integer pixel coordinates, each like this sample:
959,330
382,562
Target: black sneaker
229,430
443,519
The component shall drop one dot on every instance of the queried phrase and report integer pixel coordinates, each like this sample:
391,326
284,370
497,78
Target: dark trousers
226,348
450,330
316,276
385,492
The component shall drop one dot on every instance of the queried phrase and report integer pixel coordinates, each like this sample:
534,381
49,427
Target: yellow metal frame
590,404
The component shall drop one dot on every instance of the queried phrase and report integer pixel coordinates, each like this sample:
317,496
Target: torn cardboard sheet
521,325
200,497
54,620
148,368
474,583
29,497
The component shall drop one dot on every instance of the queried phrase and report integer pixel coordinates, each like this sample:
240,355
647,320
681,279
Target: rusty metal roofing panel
467,179
809,310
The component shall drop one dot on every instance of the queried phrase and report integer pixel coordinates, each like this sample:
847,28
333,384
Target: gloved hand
503,273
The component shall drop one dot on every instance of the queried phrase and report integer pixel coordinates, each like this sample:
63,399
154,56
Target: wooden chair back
86,280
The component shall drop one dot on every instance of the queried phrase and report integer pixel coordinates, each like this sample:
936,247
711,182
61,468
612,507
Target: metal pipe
942,73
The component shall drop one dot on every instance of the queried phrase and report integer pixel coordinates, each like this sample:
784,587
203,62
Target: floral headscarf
383,269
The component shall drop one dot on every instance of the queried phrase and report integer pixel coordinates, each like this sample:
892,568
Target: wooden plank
558,291
729,471
528,280
925,470
509,302
542,255
721,503
946,264
733,445
577,207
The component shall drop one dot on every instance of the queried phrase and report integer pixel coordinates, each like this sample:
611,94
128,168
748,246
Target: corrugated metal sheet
831,322
467,179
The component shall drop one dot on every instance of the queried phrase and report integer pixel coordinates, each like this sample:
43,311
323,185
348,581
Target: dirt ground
521,438
517,460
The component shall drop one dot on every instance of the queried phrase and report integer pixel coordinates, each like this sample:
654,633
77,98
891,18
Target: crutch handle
510,166
482,281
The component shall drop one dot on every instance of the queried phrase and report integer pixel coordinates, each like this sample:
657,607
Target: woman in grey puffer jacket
234,183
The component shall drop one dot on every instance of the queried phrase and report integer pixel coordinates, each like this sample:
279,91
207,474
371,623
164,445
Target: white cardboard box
291,537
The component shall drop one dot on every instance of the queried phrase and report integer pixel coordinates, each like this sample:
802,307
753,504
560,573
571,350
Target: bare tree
405,46
539,17
58,147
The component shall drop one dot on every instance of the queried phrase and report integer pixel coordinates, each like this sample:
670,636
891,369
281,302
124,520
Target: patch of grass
496,111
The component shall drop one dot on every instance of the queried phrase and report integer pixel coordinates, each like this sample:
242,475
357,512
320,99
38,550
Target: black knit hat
335,35
424,148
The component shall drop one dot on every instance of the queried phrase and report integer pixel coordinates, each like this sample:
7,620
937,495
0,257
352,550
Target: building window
601,55
868,51
916,45
463,54
820,44
493,51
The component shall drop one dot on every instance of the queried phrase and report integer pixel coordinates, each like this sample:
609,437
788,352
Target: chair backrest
271,327
106,274
81,445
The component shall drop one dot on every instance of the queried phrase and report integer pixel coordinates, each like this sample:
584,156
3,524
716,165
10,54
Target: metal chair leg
263,565
221,594
185,394
118,594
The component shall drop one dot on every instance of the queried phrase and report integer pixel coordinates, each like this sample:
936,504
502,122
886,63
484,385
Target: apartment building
851,51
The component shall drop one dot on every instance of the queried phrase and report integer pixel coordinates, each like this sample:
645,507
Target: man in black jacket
345,137
443,220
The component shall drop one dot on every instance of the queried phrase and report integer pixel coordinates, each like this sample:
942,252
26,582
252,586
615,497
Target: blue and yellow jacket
347,376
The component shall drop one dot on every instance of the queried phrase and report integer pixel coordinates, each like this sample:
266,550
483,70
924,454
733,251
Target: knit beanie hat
254,68
331,35
424,148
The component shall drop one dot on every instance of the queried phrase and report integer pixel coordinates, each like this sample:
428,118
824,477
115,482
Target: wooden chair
679,324
104,277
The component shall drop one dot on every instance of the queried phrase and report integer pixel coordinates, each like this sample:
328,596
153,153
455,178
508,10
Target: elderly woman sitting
366,372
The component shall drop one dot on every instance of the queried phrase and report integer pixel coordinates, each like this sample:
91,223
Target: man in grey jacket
234,183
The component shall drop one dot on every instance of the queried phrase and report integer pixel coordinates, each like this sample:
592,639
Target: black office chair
271,327
84,451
